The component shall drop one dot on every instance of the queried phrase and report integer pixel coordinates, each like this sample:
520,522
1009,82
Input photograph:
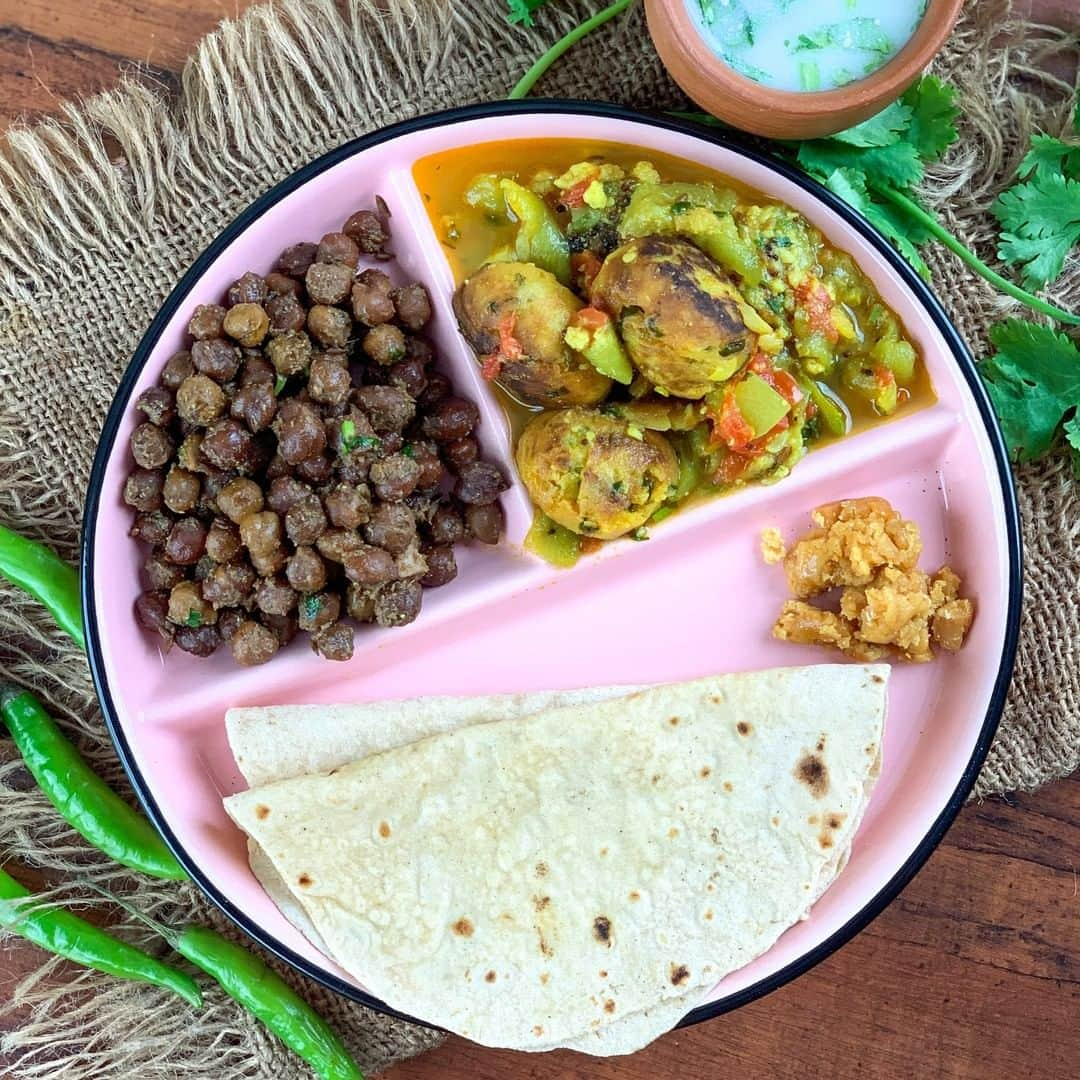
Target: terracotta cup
788,114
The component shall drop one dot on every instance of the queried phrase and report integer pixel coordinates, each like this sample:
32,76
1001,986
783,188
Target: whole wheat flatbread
681,830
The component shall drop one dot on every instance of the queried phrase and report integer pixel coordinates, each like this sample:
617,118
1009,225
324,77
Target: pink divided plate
696,599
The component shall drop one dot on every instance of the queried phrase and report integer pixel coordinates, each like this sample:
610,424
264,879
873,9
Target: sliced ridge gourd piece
831,410
592,333
762,407
539,240
657,209
700,213
553,542
485,194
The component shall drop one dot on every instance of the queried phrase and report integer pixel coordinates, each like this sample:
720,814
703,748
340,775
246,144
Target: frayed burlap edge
102,211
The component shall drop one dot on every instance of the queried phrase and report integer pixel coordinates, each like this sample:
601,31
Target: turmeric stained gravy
614,294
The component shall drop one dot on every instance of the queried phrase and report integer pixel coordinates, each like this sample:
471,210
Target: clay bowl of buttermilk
797,69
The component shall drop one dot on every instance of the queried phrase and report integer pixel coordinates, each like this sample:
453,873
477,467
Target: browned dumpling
595,474
514,315
680,317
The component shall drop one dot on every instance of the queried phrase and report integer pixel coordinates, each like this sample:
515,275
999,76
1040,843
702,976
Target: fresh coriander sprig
536,72
1033,379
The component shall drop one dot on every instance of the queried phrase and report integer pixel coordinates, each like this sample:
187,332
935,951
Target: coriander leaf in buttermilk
883,129
933,112
521,11
1040,222
1034,382
1050,157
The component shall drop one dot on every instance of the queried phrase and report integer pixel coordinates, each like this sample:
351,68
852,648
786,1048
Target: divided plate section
143,677
693,600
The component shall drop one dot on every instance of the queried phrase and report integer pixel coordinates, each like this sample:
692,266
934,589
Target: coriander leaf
1072,431
859,33
897,165
1076,117
1049,157
862,33
881,130
521,11
893,223
1072,437
933,110
817,40
1040,222
1034,382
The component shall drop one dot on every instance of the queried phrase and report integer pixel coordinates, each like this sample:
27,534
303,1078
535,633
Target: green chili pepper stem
83,799
39,571
248,981
65,934
945,237
533,75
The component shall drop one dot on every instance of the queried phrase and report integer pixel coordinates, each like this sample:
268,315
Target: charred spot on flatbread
743,728
545,945
679,974
463,928
541,869
262,812
728,786
609,1006
490,977
821,743
384,829
674,721
541,902
812,771
635,896
832,822
305,880
705,772
601,929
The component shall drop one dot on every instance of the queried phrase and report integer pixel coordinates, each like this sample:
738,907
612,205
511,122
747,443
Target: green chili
84,800
247,980
45,576
67,935
250,983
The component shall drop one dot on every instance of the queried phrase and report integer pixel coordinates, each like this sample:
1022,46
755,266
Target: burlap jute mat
99,215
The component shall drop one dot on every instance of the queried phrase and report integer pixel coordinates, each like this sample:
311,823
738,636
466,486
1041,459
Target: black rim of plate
730,141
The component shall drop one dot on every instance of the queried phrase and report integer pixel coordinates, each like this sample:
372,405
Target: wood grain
974,972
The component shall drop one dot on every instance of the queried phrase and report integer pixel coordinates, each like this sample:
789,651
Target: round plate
696,599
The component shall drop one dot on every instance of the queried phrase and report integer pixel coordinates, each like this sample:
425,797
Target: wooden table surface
973,972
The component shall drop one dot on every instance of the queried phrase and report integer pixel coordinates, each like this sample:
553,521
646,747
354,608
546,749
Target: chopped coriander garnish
312,606
194,619
640,533
351,441
408,450
809,75
279,384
